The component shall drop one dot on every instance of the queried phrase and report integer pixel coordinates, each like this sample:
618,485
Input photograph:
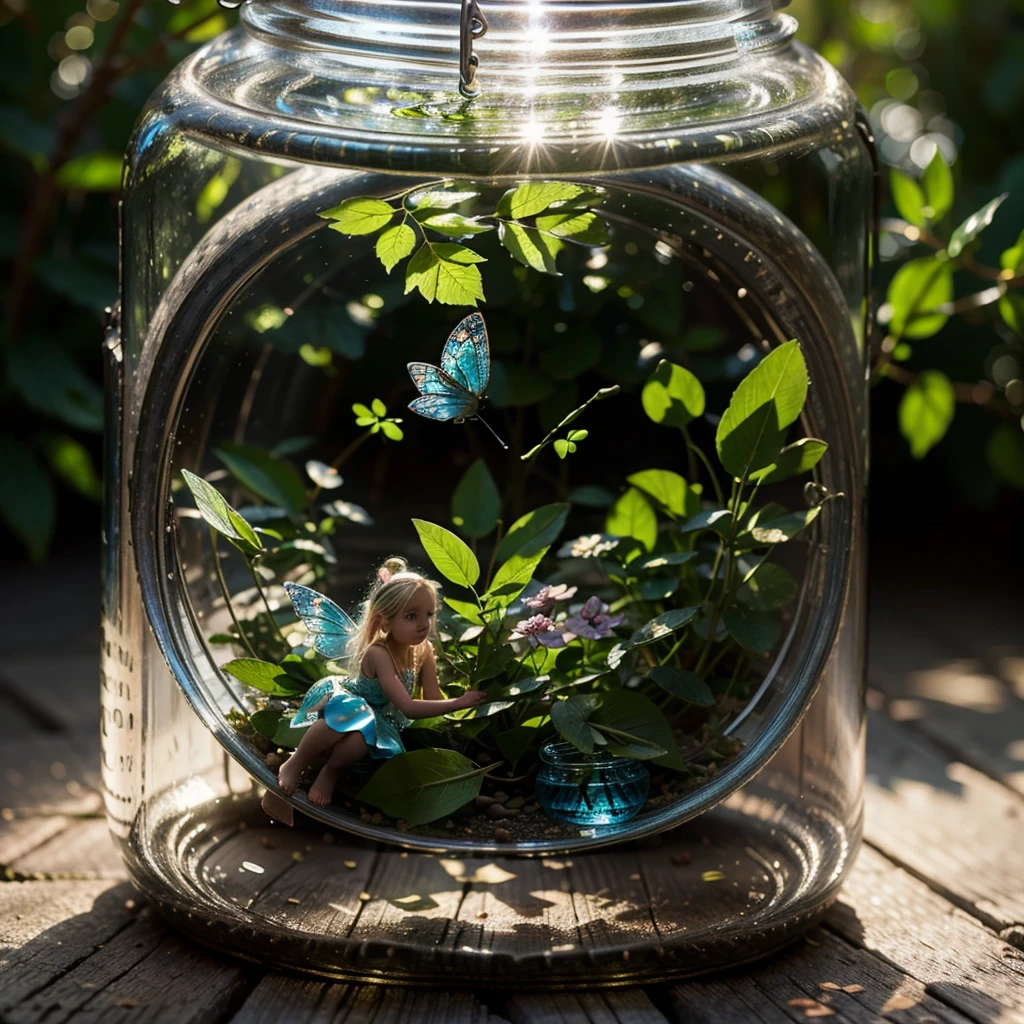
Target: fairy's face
415,621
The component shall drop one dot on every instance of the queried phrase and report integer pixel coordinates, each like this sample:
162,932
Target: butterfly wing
329,628
441,397
316,697
466,357
432,380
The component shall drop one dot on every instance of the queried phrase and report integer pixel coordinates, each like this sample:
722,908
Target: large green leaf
673,395
450,555
908,197
423,785
221,516
916,294
515,742
686,686
533,531
755,631
394,245
668,489
580,226
752,431
937,182
769,587
438,199
265,676
973,226
454,225
27,501
476,502
272,479
533,197
631,715
512,577
926,411
569,717
360,215
794,459
531,247
657,629
780,529
632,516
444,271
49,381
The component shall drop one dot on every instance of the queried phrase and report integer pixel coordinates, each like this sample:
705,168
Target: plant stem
227,596
494,551
251,563
691,448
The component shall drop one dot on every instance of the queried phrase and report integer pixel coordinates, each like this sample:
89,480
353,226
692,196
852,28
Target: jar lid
565,86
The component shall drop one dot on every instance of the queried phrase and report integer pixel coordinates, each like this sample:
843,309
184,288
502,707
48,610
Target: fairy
348,719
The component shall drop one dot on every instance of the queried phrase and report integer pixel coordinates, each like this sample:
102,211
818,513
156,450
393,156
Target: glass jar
590,789
707,184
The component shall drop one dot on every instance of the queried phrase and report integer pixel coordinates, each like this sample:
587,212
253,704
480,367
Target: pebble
501,796
496,810
483,801
502,835
515,803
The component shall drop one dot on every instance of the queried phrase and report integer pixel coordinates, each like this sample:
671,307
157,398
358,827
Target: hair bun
391,567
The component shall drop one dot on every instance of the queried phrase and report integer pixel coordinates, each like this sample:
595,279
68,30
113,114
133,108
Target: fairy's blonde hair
393,589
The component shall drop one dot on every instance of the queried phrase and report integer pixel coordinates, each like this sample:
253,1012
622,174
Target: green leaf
378,408
973,226
87,283
212,195
660,561
657,629
533,197
908,197
454,225
1012,259
717,519
424,785
394,245
530,247
751,433
71,462
483,710
476,502
638,718
584,227
686,686
668,489
515,742
220,515
361,215
91,172
1005,454
27,501
444,271
569,717
450,555
532,532
272,479
658,589
571,354
1011,309
926,411
528,685
784,528
938,186
591,496
439,199
755,631
391,430
265,676
673,395
49,381
469,611
770,587
564,448
363,412
794,459
632,516
916,291
512,577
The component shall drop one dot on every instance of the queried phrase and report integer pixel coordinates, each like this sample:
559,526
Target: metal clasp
473,26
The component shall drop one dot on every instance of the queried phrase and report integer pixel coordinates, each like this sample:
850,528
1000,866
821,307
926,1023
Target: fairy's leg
316,740
351,749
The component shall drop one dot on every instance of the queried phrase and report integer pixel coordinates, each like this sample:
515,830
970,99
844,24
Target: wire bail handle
473,26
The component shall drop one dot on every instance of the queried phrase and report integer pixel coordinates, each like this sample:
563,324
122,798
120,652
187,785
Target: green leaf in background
533,531
215,191
264,676
445,271
1011,309
673,395
780,529
916,291
973,226
71,462
686,686
360,215
1012,259
516,386
515,742
755,631
469,611
926,411
531,247
717,519
579,226
394,245
27,137
1005,454
511,578
794,459
476,502
49,380
650,632
275,727
27,501
668,489
661,561
424,785
625,715
451,556
632,516
533,197
937,182
91,172
572,353
272,479
569,717
220,515
751,433
908,197
454,225
770,587
86,283
591,496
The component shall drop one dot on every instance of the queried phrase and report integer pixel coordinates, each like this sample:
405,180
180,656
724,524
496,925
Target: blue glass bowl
590,789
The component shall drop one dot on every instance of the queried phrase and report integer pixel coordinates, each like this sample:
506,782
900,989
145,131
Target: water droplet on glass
170,575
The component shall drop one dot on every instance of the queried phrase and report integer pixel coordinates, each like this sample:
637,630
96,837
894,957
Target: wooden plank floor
929,928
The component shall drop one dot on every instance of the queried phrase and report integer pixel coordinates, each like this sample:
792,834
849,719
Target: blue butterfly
329,628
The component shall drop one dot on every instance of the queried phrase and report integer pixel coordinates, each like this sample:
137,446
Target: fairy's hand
472,697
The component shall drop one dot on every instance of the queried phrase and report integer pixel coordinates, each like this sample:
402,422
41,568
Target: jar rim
562,754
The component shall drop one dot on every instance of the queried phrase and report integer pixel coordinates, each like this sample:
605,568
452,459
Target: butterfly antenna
491,429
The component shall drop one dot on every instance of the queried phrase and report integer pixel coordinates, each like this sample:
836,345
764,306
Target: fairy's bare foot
322,791
288,775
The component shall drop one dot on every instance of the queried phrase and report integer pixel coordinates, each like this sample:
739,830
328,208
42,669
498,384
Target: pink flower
593,621
546,598
538,629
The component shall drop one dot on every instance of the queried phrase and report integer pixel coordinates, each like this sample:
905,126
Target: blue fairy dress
359,705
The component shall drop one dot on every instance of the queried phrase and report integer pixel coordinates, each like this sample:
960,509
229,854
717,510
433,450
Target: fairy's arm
428,677
377,664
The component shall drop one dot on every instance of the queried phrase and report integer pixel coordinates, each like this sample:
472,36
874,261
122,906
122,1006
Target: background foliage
943,75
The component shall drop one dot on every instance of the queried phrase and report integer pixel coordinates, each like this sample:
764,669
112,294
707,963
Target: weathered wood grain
19,836
617,1006
56,689
50,774
84,850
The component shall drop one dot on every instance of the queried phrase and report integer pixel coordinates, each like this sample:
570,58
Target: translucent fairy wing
445,407
329,628
316,697
466,356
432,380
